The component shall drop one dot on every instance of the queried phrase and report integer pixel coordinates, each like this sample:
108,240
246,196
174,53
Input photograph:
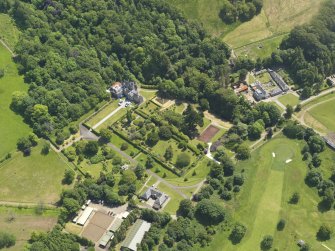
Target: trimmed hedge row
149,87
144,150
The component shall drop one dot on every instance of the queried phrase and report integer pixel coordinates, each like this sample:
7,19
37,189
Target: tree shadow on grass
324,206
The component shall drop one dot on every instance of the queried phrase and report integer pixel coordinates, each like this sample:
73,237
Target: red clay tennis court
209,133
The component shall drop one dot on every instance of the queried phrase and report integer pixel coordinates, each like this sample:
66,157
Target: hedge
150,87
145,151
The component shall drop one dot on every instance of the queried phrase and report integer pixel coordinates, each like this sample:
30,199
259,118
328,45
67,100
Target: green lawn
264,198
103,113
194,175
289,99
175,198
12,126
157,168
8,31
162,145
324,113
117,116
149,107
264,77
36,178
319,100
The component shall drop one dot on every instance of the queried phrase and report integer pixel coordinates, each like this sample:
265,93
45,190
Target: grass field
8,32
24,223
289,99
262,48
36,178
324,114
12,126
205,12
265,195
262,35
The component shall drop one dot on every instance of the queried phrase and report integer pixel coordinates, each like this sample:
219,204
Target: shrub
124,146
165,132
183,160
237,233
68,177
281,225
267,242
91,148
7,240
243,152
324,233
295,198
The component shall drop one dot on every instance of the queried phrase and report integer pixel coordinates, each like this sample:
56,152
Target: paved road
109,115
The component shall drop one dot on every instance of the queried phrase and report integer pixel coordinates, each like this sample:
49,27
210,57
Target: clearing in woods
206,12
260,36
277,18
263,200
12,126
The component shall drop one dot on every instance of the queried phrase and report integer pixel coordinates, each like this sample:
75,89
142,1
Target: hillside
266,30
205,12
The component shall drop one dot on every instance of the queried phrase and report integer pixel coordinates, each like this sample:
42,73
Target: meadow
264,200
258,37
12,126
262,35
23,221
36,178
206,12
9,33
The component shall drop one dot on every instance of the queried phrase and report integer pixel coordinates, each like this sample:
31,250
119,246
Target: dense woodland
309,52
71,51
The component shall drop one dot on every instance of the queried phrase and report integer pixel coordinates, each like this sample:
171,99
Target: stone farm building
259,91
279,80
126,89
159,197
